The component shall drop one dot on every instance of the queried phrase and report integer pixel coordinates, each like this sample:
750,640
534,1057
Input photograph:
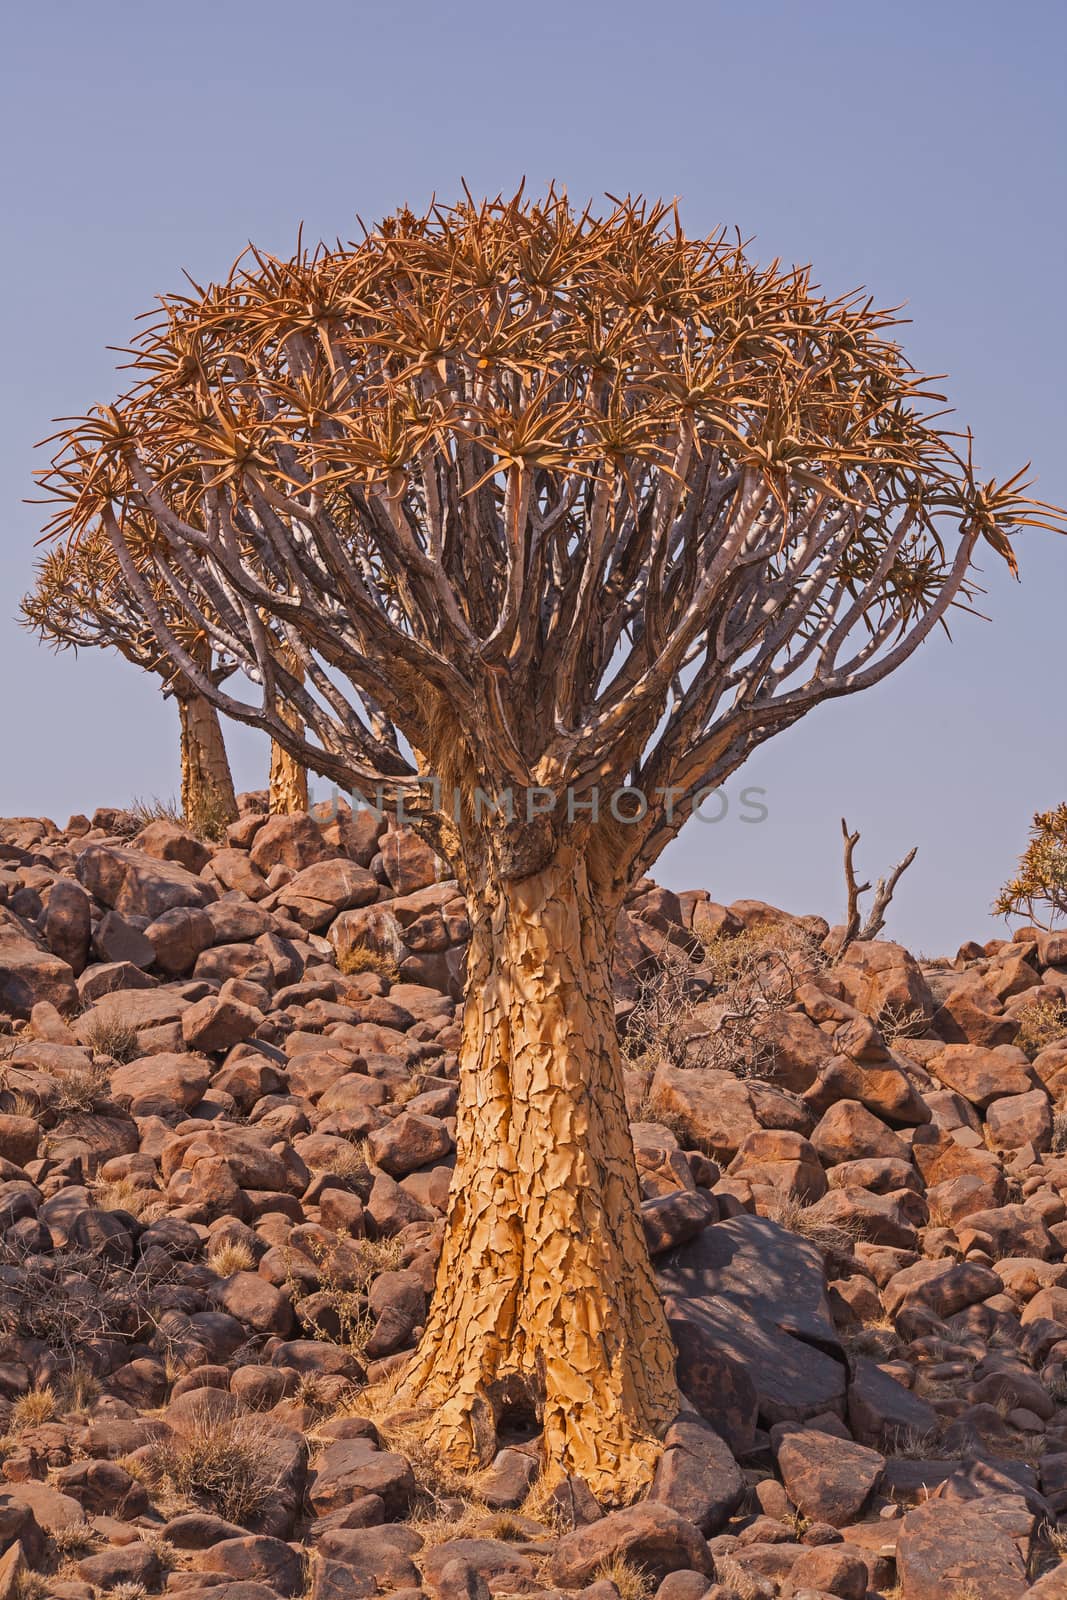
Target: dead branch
883,893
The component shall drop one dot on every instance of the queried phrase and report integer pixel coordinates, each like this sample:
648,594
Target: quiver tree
81,601
1038,890
546,507
288,787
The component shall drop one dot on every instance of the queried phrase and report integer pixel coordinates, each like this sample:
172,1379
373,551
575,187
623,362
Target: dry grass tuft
124,1194
877,1338
221,1464
110,1036
353,1164
232,1255
33,1408
799,1219
30,1586
361,958
74,1539
632,1581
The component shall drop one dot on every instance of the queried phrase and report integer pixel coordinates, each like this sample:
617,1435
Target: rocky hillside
227,1091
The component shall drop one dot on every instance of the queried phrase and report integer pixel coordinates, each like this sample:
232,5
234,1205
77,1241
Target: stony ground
227,1090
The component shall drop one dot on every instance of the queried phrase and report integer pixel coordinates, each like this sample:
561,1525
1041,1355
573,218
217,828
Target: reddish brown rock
982,1075
1020,1119
29,975
293,841
945,1546
408,1142
408,863
351,1468
66,923
944,1287
178,937
876,975
216,1023
848,1131
650,1535
161,1085
137,884
784,1160
828,1478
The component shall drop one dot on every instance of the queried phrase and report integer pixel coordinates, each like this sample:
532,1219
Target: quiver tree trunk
288,791
208,799
288,783
545,1300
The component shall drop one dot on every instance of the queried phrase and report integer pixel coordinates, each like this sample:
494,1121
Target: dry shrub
360,957
800,1219
81,1090
209,821
749,975
1041,1023
222,1464
73,1297
110,1036
344,1284
901,1022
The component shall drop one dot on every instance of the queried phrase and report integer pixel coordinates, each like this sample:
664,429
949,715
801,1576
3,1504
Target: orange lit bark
208,800
545,1294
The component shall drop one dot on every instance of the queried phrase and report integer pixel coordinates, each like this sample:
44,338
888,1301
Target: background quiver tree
288,785
81,601
542,503
1038,890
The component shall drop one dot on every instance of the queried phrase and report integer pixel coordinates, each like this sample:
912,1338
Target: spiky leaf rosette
545,497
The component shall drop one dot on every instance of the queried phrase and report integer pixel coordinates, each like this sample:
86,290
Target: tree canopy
561,497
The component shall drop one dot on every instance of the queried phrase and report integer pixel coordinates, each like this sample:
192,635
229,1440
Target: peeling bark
545,1295
288,783
208,799
288,789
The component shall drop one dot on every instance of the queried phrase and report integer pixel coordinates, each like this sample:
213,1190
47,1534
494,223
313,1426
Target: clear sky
916,147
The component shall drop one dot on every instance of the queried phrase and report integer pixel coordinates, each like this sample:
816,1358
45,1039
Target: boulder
982,1075
649,1534
721,1110
697,1475
757,1292
137,884
29,975
947,1547
828,1479
848,1131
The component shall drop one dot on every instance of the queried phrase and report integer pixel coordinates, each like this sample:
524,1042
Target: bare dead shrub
73,1297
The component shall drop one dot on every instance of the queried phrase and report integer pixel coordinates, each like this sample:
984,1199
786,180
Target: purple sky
918,149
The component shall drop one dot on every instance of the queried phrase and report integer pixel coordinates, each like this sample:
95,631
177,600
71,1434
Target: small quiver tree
546,507
1038,890
81,601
